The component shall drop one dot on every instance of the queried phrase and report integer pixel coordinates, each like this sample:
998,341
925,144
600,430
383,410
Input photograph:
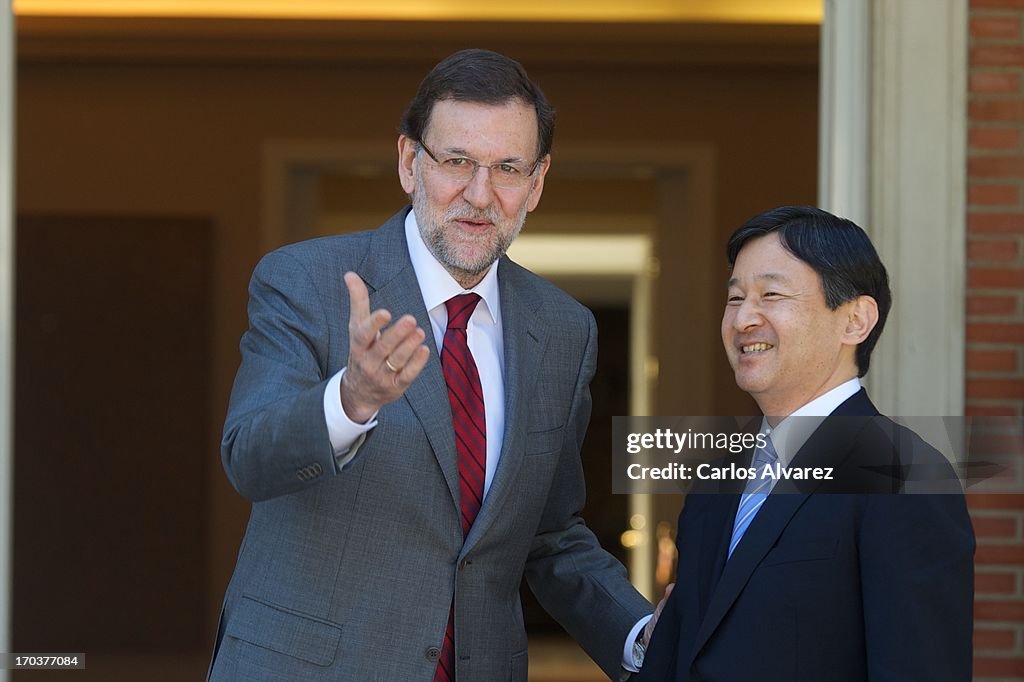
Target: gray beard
432,231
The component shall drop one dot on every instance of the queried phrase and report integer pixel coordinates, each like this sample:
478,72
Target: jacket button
433,654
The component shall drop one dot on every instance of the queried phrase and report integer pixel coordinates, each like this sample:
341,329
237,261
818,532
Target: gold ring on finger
396,370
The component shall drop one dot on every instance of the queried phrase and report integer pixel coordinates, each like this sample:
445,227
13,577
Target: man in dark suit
407,466
817,580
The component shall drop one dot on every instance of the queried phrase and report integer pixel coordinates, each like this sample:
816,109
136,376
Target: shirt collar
437,285
791,434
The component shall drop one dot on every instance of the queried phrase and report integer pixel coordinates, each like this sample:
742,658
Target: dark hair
838,250
481,77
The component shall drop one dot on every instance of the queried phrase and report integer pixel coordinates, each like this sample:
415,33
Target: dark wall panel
111,433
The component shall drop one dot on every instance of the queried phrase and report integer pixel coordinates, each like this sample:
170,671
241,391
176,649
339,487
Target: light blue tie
755,493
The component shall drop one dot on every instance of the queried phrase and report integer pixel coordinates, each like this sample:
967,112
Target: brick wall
995,315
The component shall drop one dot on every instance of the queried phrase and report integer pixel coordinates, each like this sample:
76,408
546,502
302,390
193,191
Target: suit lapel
714,545
388,271
524,336
829,445
769,523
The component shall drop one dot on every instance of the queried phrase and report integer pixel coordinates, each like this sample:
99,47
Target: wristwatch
639,650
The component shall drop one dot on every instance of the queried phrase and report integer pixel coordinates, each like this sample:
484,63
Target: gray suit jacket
349,575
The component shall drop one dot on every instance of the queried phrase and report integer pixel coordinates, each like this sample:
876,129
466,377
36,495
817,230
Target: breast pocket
544,442
814,550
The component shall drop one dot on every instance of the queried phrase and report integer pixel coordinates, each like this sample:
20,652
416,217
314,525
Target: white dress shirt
789,435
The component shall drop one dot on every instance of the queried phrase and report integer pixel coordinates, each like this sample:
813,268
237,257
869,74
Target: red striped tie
467,400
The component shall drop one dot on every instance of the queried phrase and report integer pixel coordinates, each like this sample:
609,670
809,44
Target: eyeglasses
505,174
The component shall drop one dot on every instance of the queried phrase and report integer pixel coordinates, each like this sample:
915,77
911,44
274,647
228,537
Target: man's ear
406,156
537,188
862,316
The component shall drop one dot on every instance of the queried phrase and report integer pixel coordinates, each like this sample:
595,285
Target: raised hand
382,362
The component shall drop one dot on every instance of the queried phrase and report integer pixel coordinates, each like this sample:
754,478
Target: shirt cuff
345,435
629,661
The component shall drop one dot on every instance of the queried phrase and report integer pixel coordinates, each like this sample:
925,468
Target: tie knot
765,455
460,308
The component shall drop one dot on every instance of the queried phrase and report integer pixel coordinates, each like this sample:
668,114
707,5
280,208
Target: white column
844,111
907,167
7,57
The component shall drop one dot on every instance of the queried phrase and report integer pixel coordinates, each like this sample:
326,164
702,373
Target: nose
747,315
479,192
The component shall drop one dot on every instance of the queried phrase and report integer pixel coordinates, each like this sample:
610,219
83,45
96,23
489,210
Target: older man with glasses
407,421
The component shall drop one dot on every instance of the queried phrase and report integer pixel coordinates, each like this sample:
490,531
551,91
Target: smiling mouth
474,225
755,348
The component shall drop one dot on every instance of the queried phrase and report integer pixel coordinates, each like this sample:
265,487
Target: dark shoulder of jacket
883,433
918,460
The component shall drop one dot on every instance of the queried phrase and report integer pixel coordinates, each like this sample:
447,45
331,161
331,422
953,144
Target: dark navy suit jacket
826,584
